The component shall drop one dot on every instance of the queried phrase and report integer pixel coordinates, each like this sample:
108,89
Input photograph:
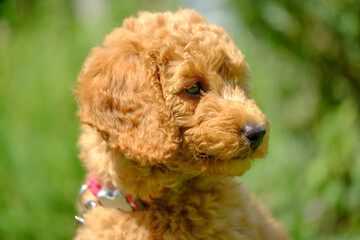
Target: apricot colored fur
142,132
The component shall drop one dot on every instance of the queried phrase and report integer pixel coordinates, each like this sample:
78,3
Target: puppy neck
111,167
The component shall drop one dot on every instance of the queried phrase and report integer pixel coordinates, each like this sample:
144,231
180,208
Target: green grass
40,172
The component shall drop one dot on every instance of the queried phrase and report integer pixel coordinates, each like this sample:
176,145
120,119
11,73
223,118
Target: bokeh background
305,62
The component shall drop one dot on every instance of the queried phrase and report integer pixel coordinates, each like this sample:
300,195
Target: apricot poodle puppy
167,121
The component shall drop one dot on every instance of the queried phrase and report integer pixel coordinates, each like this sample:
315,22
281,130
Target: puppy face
206,91
174,92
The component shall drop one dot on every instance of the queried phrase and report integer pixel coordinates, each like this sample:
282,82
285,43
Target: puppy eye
194,90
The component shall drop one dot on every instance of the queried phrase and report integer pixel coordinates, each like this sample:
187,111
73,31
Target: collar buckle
114,199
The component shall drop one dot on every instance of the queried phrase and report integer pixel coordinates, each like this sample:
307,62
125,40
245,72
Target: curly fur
142,132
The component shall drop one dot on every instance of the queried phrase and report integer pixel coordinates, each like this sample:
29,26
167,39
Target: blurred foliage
304,57
324,34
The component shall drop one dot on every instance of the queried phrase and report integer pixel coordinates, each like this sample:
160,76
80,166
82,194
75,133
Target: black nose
254,134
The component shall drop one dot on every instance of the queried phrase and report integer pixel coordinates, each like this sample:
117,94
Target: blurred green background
305,62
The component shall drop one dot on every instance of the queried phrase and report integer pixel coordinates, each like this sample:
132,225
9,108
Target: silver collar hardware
114,199
107,198
79,220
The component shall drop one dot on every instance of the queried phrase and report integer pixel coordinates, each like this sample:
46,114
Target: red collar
112,198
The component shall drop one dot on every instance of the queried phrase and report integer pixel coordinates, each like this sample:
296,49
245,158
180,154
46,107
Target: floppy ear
119,94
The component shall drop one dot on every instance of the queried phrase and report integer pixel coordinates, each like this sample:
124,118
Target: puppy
167,122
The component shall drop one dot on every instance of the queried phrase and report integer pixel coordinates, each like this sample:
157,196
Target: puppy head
171,86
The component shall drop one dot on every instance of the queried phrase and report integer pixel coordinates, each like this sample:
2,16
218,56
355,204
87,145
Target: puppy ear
119,94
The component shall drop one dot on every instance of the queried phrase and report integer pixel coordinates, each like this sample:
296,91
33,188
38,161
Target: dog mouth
238,157
230,165
242,156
